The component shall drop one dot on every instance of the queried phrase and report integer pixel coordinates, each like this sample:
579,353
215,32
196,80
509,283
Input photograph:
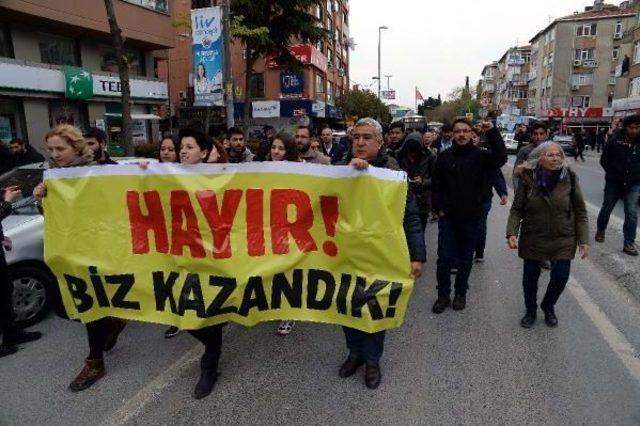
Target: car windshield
26,180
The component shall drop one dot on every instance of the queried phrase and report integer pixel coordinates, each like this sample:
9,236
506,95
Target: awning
134,116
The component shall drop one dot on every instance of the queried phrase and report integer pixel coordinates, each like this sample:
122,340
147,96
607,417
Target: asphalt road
472,367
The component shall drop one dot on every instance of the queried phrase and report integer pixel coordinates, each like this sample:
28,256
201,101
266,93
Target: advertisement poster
206,27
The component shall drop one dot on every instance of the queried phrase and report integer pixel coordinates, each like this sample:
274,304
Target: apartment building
280,97
573,65
511,93
627,89
40,39
488,88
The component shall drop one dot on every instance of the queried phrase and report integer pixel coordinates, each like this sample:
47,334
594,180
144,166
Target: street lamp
380,28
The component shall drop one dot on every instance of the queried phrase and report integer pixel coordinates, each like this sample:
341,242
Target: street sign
388,94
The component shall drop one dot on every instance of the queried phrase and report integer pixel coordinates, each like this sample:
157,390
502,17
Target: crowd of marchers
452,174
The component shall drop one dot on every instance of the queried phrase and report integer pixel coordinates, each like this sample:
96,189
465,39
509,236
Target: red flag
419,95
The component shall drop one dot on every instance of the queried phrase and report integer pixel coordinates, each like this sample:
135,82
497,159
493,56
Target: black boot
528,320
208,375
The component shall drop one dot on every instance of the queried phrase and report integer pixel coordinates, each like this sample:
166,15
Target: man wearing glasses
459,181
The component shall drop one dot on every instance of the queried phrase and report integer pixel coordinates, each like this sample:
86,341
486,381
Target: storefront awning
134,116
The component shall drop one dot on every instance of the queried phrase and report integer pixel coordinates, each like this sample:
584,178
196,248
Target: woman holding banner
284,148
68,148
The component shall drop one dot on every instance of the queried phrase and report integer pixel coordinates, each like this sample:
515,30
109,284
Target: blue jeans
482,230
612,193
456,243
560,270
364,346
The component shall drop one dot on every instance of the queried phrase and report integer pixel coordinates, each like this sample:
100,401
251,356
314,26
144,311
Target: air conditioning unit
577,63
575,87
617,36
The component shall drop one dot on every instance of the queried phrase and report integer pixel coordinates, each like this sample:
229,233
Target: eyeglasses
553,155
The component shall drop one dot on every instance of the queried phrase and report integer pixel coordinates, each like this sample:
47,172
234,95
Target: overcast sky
434,44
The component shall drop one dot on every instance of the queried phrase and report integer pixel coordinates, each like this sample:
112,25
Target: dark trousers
97,332
481,243
456,243
612,193
560,270
211,338
367,347
7,327
579,153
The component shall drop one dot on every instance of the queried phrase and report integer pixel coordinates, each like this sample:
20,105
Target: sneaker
171,332
285,328
92,371
441,304
459,302
599,236
479,259
630,249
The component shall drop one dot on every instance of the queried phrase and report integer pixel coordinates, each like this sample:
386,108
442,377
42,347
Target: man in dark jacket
445,141
331,149
24,154
459,184
621,163
11,335
418,162
521,136
97,140
396,137
367,347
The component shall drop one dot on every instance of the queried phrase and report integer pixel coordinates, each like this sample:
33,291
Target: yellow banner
193,246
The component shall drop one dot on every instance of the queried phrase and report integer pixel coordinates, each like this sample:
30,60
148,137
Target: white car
33,281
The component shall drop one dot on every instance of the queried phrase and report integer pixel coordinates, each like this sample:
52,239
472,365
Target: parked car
566,142
33,281
510,143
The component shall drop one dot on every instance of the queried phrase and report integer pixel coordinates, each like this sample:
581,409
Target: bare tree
123,70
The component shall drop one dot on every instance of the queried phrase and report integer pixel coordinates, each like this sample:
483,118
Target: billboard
388,94
206,28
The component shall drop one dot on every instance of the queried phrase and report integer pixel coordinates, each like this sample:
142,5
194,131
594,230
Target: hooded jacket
422,167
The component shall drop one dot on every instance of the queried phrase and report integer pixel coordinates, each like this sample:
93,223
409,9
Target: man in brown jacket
303,139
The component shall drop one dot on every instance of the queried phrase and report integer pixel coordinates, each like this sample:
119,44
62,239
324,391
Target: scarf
546,180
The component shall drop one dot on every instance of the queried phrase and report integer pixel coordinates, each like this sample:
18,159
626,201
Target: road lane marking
614,338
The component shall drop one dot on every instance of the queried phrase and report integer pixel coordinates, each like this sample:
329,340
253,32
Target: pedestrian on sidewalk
621,163
548,221
460,178
68,148
12,335
366,348
601,138
579,143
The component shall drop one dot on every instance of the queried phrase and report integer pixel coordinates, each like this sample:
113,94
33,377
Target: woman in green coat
548,221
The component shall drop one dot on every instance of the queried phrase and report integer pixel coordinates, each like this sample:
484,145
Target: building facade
280,97
574,61
627,89
511,91
39,42
488,89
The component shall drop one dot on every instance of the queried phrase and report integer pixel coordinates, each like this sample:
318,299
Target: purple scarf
546,180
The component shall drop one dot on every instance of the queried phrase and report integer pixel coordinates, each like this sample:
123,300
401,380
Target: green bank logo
79,83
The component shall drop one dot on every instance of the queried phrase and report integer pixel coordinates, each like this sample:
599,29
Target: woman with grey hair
548,221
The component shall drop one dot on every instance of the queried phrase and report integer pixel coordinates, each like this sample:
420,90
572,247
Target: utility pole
228,76
380,28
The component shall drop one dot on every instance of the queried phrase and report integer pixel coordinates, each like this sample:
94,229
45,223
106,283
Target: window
12,122
330,92
618,31
58,50
329,6
198,4
256,86
586,30
582,79
157,5
636,52
110,61
584,54
580,101
318,12
634,87
345,18
616,53
612,79
526,57
319,84
6,46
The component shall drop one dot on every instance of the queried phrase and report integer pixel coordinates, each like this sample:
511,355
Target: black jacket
461,176
621,160
337,152
411,222
422,168
6,158
29,157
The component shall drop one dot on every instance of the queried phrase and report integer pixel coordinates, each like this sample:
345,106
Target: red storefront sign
305,53
591,112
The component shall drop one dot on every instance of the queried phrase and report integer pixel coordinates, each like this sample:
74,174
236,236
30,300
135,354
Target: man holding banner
366,348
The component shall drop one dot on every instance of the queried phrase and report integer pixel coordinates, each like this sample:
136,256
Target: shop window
110,61
257,85
58,50
6,46
319,84
68,112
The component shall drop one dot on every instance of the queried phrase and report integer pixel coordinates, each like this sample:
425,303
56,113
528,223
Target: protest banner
193,246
